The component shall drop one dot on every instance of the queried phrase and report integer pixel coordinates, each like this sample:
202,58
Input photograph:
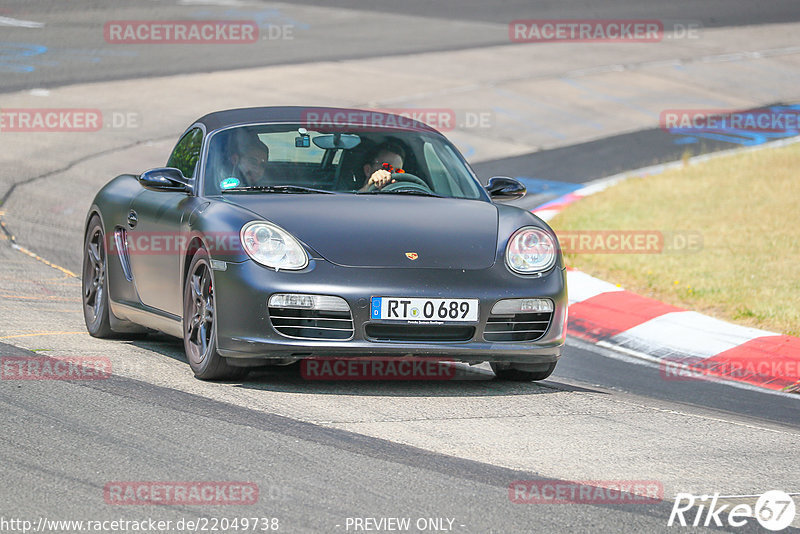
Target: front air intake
304,316
517,327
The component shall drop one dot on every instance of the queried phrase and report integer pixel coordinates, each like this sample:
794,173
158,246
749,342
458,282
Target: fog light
308,302
522,306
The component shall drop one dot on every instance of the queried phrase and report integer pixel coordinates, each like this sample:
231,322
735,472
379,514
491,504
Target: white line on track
18,23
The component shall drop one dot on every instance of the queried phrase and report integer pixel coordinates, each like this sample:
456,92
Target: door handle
133,219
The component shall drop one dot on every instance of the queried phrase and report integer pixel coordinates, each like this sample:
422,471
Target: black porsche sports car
279,234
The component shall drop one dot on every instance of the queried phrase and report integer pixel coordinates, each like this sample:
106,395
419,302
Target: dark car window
298,155
187,152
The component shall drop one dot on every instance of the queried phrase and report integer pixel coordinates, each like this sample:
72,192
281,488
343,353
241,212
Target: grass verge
746,210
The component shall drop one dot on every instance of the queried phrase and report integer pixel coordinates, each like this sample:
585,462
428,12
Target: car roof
312,115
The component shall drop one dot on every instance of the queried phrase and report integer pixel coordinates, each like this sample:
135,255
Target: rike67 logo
774,510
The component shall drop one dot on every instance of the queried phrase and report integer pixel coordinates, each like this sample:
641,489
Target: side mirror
504,188
165,179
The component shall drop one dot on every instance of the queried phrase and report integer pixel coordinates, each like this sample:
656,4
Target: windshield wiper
276,189
400,192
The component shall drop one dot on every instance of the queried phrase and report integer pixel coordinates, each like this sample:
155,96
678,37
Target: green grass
746,208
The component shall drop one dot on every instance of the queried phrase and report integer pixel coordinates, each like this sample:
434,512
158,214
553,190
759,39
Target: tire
94,285
199,328
506,371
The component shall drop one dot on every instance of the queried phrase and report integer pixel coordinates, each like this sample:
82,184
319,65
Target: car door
156,239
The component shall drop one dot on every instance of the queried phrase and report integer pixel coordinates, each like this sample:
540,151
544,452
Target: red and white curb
687,345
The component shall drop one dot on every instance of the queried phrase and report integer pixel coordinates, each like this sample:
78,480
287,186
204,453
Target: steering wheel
404,180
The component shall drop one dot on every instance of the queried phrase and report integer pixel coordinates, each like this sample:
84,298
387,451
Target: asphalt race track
320,31
442,453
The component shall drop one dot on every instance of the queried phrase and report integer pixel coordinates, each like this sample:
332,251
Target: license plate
424,310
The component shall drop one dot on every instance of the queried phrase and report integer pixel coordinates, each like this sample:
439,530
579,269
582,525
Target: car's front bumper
244,329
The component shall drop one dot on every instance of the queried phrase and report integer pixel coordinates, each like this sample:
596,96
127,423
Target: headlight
272,246
530,250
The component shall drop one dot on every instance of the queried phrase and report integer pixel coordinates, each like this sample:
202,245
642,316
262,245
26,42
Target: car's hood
384,230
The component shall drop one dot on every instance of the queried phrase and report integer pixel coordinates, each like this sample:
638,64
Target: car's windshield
254,158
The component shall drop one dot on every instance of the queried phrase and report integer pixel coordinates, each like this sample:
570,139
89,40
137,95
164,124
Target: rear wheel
93,282
199,328
523,372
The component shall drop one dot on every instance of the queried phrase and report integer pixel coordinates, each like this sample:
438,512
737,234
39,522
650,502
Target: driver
388,152
249,158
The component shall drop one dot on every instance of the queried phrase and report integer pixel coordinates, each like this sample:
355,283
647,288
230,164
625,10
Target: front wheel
508,371
93,282
199,332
